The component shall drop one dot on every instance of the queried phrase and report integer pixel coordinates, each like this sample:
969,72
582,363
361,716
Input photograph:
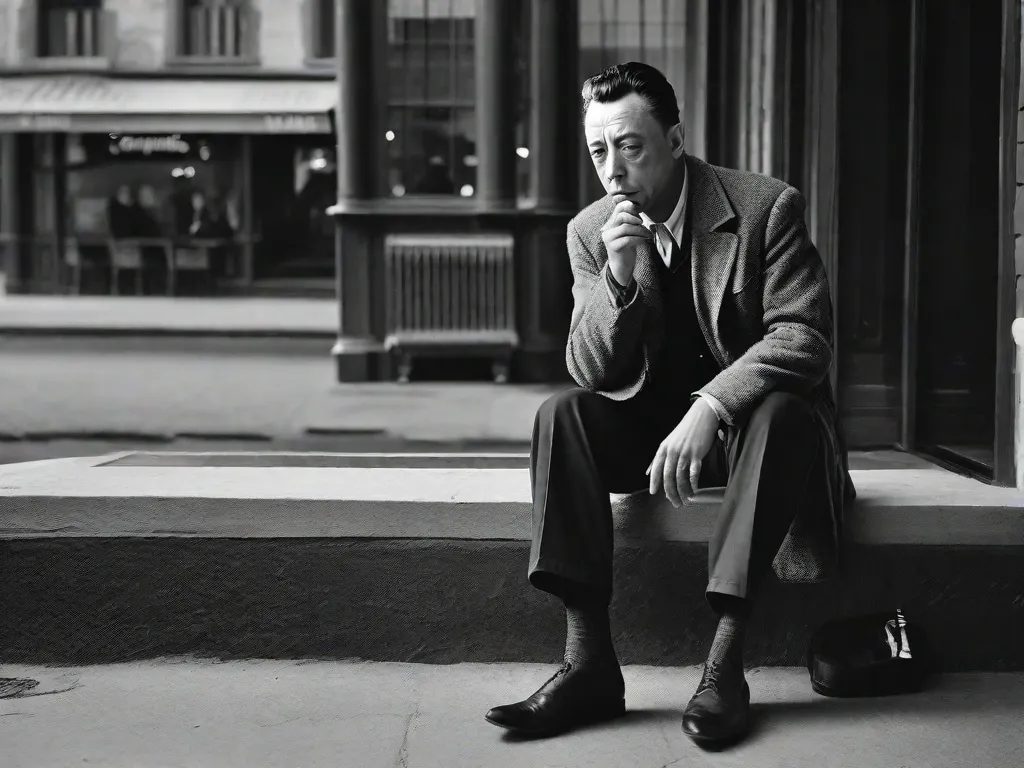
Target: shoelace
562,670
709,680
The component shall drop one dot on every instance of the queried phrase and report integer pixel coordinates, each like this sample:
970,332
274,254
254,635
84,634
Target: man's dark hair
620,80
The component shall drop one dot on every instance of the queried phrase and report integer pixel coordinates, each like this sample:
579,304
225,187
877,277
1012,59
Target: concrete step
268,714
255,555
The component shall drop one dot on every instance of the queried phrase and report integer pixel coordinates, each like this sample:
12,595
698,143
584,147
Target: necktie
664,237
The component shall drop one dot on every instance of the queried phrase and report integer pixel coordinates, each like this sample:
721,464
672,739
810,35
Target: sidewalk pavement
160,314
157,395
180,712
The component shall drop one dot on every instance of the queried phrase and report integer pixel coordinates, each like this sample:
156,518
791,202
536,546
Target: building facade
166,146
898,121
420,160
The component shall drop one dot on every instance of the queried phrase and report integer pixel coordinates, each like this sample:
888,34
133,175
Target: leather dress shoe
720,708
570,698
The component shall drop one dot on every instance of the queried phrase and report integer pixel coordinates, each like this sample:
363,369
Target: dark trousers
586,446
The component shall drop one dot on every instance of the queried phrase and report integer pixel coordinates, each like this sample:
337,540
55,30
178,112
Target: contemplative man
701,340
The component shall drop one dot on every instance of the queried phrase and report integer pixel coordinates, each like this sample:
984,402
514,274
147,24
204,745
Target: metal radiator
452,294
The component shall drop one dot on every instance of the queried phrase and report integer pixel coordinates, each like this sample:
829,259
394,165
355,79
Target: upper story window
212,31
67,29
318,26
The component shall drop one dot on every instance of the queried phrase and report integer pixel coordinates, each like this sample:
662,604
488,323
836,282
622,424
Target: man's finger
695,467
673,465
621,218
684,489
627,230
626,206
626,218
656,469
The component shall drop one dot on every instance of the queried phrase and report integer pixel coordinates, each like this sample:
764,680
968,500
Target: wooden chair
193,257
73,260
125,255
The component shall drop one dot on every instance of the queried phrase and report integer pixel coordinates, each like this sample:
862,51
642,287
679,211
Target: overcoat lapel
713,253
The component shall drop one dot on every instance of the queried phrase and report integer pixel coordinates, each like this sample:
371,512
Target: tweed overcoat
763,303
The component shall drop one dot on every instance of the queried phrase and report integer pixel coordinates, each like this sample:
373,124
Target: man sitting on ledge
701,338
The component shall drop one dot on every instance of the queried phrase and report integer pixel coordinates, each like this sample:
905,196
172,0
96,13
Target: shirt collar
675,222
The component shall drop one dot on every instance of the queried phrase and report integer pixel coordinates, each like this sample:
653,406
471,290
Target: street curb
447,445
110,435
114,435
467,443
255,437
348,432
108,332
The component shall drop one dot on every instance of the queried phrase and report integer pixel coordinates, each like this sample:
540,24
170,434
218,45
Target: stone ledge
87,497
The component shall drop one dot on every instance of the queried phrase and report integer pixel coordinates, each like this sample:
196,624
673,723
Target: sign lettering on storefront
291,123
147,145
45,122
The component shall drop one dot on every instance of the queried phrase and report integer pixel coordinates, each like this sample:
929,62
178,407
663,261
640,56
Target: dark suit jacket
763,303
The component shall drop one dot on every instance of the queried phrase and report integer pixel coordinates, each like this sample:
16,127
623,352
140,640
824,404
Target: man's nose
614,168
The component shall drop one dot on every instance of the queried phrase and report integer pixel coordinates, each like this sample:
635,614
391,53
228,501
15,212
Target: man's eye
596,152
631,148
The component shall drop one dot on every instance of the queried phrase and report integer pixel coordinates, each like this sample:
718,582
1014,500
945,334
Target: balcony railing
67,35
219,32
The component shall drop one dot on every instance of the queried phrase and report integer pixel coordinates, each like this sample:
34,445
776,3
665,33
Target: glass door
957,229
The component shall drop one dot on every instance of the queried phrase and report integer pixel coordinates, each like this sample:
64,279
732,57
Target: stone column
360,61
555,122
495,104
544,295
10,209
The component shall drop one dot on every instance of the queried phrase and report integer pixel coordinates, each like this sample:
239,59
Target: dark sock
588,636
732,626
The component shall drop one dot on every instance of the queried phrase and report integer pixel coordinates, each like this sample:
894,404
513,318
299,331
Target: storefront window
294,180
175,185
138,203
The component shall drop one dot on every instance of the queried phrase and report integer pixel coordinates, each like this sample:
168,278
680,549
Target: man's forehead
627,115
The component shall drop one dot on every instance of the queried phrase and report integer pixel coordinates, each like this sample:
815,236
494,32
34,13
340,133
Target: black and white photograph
511,383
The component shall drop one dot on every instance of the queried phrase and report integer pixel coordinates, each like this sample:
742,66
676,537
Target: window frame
176,39
313,19
30,32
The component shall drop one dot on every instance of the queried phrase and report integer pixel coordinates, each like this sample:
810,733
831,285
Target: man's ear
677,139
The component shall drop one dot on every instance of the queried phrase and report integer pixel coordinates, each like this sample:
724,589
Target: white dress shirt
673,225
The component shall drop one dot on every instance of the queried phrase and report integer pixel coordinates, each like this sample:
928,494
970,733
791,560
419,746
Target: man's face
632,154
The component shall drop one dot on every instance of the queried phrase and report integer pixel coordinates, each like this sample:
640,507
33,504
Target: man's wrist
712,402
621,295
621,276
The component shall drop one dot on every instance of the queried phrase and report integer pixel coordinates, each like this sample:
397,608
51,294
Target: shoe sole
603,717
732,738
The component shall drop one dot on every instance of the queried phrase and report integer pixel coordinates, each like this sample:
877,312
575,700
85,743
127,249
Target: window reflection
432,116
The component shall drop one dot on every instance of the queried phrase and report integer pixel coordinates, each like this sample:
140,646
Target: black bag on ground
875,655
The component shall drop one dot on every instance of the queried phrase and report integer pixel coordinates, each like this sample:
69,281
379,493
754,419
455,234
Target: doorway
958,244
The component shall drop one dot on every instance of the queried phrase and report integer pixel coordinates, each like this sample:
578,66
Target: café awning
95,104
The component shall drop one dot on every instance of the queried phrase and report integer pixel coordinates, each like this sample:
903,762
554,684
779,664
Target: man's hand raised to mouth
622,233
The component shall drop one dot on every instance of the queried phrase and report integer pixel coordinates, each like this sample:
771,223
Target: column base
358,360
